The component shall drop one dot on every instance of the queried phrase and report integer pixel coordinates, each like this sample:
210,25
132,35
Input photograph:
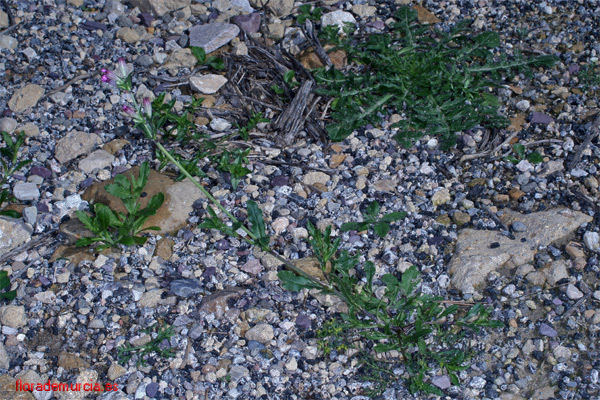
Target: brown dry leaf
425,16
337,148
516,123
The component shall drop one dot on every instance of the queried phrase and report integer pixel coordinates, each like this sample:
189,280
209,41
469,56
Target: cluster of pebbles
238,333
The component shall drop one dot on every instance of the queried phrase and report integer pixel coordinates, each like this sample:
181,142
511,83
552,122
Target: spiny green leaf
372,209
381,229
394,216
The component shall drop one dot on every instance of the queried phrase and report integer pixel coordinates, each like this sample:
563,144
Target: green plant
6,294
381,226
126,351
305,13
10,154
589,77
113,228
212,61
393,315
438,81
257,118
519,150
397,317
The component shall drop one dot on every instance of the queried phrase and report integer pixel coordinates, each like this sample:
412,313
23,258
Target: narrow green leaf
354,226
369,268
10,213
394,216
258,224
488,39
295,283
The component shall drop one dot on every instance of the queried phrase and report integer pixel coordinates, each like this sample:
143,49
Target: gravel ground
238,333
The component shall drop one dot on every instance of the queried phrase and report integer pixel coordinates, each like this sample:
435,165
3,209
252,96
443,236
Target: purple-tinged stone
157,41
208,272
119,170
441,381
42,208
573,69
556,301
303,321
152,389
222,244
146,18
86,183
19,177
252,266
547,330
281,180
436,240
41,171
540,118
94,26
45,281
377,24
248,22
353,239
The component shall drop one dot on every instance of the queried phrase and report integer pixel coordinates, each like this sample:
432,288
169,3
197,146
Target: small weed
519,150
589,77
307,12
381,226
257,118
212,61
6,294
126,351
438,81
393,315
10,154
113,228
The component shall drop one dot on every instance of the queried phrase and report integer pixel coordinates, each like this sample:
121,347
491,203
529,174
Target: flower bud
147,105
122,66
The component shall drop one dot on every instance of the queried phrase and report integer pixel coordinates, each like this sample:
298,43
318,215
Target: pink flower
109,77
147,106
129,111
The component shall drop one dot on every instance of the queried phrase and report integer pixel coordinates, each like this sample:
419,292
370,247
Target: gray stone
114,7
262,333
185,287
151,298
207,84
180,58
13,316
338,18
518,227
4,22
540,118
98,159
281,8
238,372
75,144
116,371
440,197
592,241
212,36
475,258
8,125
523,105
314,177
26,191
25,98
363,10
573,293
4,359
8,42
557,271
220,124
13,232
252,266
30,214
160,7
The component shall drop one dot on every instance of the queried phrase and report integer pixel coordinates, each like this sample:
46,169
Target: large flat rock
479,252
